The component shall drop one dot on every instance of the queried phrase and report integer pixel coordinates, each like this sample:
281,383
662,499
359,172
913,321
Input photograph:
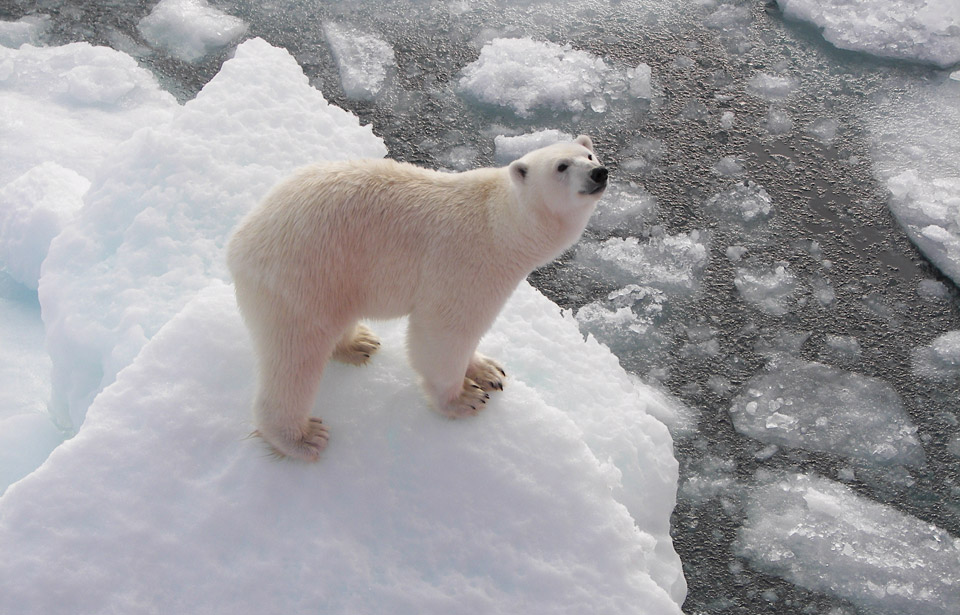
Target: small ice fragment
771,87
729,166
778,121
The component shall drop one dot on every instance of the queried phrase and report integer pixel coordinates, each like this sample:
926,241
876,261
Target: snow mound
162,500
73,104
799,526
158,213
190,29
819,408
917,30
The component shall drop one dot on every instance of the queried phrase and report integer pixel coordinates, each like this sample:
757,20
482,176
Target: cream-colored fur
379,239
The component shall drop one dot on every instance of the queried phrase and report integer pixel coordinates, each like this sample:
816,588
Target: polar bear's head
566,178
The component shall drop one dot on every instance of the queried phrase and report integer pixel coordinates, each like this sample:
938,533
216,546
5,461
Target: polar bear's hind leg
356,346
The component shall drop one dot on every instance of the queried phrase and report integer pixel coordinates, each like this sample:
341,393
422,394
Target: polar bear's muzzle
596,181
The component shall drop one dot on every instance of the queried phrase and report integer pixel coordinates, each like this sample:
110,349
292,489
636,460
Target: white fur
379,239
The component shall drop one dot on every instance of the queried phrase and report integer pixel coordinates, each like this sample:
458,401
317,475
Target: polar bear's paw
306,446
470,402
486,373
357,347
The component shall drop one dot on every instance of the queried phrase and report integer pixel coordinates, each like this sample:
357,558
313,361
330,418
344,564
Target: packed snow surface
816,407
190,29
917,30
162,502
821,535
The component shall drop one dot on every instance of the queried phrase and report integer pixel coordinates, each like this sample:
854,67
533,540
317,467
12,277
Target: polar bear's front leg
486,372
289,376
445,359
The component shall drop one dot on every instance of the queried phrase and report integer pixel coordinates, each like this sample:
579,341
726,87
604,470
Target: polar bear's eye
589,156
563,167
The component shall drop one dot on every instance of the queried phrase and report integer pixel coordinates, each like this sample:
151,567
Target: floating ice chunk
708,478
73,104
628,320
929,211
808,405
781,342
823,290
624,208
940,359
746,204
526,75
460,157
363,60
821,535
771,87
933,290
154,223
27,30
823,130
729,166
671,263
638,81
778,122
568,444
33,209
507,149
736,253
773,291
190,29
927,31
726,119
641,154
728,16
841,349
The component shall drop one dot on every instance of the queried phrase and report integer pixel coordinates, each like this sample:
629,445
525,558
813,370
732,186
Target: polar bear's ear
585,141
518,171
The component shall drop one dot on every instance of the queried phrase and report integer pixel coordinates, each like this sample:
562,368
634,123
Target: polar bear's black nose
599,175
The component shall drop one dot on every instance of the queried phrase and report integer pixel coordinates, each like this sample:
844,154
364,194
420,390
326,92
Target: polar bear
376,239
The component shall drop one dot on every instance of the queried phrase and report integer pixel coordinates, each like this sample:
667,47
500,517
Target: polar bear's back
347,229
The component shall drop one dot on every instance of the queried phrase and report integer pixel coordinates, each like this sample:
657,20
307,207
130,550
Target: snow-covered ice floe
556,499
821,535
917,30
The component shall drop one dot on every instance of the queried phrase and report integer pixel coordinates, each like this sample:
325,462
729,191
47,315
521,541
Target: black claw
502,373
